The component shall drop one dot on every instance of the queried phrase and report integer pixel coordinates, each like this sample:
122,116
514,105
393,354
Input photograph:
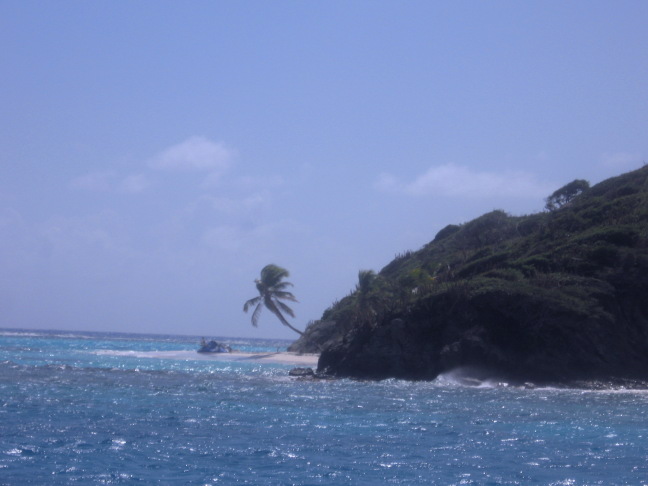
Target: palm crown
272,292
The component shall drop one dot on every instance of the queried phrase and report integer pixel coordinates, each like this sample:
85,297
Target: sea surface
101,408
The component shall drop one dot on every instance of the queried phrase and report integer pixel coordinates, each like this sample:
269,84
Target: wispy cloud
135,184
195,154
250,239
109,182
94,182
249,183
227,238
621,160
457,181
102,231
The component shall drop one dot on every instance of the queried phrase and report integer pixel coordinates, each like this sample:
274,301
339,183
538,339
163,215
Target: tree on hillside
272,292
366,298
566,194
365,281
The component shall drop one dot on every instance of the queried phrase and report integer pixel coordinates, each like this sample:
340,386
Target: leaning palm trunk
272,307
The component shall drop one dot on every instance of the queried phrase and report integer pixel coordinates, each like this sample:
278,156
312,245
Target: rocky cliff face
317,336
509,334
552,297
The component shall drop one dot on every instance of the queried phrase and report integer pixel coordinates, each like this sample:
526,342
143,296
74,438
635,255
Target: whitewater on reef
79,407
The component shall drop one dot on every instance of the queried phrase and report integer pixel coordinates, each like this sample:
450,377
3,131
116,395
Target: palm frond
271,275
256,314
285,308
282,285
250,303
272,307
285,296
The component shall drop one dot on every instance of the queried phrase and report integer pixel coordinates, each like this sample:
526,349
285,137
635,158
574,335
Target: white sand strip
306,360
301,360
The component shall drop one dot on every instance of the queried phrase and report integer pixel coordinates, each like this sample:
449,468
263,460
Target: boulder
301,372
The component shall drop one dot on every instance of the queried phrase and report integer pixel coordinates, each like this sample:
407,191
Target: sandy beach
305,360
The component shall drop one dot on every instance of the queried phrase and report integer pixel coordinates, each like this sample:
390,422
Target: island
560,296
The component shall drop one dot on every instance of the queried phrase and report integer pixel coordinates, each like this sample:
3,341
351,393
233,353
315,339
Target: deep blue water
118,409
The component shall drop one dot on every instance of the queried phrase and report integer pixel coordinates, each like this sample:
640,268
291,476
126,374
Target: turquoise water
87,408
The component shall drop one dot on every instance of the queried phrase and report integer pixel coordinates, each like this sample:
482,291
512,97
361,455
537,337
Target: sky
155,155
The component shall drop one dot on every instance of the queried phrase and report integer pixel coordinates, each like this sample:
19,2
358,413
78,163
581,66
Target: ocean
104,408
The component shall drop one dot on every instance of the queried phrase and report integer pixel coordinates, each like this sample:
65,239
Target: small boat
213,347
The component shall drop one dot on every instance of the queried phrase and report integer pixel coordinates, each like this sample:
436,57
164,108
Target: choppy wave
172,354
19,333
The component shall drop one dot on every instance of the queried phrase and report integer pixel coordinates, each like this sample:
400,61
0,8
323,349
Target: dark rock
213,347
392,350
301,372
307,374
318,335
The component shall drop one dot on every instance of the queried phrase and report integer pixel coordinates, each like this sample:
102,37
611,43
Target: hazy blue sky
155,155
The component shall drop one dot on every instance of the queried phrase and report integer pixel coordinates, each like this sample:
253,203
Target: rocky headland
555,297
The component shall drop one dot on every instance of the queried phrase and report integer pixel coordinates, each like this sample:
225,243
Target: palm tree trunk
296,330
273,308
286,323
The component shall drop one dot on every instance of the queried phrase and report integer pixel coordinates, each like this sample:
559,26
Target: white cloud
195,154
389,183
246,182
621,160
250,240
457,181
135,184
94,182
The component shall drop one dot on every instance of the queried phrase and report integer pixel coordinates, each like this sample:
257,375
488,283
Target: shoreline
281,357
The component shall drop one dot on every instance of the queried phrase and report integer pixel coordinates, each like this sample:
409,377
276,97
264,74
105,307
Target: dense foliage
565,194
521,288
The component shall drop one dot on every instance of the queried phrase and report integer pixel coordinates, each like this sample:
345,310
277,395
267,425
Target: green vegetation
525,284
565,194
589,235
272,291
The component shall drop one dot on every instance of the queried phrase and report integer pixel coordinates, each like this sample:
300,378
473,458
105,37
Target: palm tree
272,291
366,280
366,300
